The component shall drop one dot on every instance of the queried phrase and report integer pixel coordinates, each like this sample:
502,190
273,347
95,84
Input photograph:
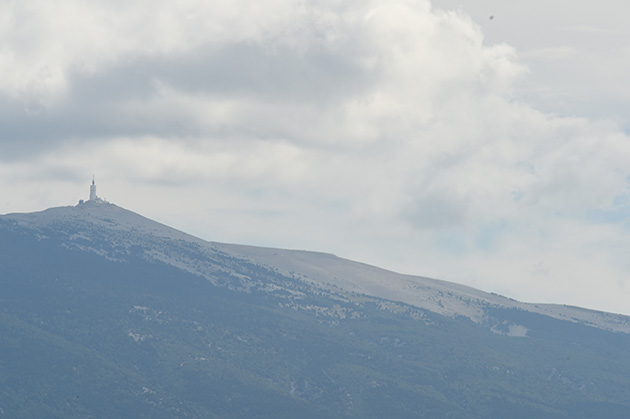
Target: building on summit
93,196
95,199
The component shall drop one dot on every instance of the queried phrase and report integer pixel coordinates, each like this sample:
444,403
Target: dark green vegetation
82,336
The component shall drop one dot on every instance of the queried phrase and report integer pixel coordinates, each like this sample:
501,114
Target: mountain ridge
323,270
105,313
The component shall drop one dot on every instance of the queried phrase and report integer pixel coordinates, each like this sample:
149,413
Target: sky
481,142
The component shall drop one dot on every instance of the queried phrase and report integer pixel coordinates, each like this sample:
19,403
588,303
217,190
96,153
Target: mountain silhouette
105,313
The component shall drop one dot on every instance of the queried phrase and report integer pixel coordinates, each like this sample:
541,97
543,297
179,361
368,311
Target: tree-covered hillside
83,335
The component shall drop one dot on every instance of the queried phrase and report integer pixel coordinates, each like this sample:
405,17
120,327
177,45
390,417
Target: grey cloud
94,105
280,74
234,69
437,210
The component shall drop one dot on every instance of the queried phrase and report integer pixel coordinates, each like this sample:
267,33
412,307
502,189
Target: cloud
351,72
387,132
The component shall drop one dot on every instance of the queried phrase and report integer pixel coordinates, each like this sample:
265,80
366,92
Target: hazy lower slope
104,313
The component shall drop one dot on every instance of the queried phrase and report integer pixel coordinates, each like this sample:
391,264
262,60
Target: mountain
104,313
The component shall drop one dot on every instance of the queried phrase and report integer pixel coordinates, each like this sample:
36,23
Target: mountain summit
109,314
119,231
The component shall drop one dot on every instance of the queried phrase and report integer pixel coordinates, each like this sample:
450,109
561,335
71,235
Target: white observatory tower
93,196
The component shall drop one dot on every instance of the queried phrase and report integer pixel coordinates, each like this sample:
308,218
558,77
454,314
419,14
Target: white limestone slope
90,224
438,296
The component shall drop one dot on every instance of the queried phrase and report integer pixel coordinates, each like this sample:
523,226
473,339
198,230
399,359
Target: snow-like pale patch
516,330
513,330
336,312
138,337
276,288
